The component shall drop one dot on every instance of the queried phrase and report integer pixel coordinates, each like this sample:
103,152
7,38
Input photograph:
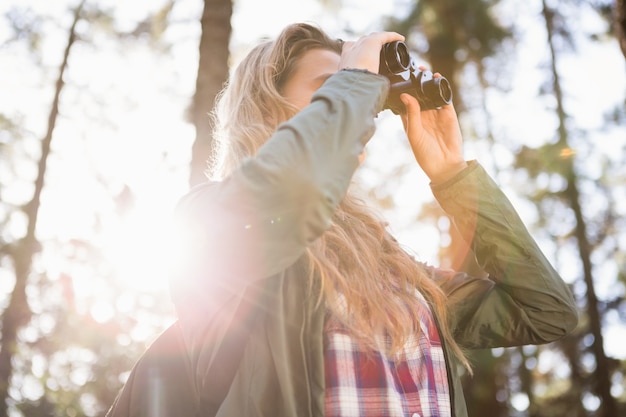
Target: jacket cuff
362,78
446,188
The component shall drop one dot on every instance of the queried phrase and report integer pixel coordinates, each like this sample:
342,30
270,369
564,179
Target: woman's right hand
364,53
435,138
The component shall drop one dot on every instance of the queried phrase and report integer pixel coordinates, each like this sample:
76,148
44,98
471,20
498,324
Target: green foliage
25,25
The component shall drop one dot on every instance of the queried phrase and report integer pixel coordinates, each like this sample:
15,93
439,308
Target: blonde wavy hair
367,280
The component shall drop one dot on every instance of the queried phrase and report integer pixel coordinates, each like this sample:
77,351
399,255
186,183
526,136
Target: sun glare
139,251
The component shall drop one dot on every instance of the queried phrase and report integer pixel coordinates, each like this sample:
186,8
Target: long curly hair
368,281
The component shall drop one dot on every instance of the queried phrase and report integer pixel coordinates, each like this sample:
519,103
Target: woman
293,299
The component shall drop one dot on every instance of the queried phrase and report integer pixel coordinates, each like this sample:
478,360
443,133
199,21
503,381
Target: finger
405,121
410,103
411,118
346,45
386,37
365,52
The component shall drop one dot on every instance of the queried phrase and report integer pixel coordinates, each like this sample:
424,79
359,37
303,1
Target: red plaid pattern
362,383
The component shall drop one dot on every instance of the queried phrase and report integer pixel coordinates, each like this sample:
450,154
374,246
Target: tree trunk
572,194
212,73
620,24
17,313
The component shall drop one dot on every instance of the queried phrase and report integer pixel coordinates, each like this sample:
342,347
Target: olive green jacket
249,337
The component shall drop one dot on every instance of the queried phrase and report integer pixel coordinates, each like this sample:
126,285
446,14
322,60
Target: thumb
412,117
411,103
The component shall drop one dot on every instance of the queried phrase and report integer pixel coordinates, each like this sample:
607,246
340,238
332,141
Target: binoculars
397,65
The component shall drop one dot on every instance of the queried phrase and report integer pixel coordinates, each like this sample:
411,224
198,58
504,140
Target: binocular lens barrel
439,87
396,57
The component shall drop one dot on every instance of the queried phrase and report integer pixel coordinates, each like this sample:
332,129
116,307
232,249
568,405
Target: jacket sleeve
523,300
260,219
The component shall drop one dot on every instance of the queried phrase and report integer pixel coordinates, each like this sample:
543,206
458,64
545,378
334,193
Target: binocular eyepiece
397,65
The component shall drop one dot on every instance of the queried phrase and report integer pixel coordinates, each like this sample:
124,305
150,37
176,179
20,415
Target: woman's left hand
435,138
364,53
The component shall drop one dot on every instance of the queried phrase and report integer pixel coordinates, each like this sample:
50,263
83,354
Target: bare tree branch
17,313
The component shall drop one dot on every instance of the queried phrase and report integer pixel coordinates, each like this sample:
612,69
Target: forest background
103,126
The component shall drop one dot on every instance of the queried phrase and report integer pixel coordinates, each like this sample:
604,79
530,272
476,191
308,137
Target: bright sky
139,137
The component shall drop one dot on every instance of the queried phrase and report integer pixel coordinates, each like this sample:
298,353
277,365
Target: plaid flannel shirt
365,383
